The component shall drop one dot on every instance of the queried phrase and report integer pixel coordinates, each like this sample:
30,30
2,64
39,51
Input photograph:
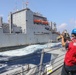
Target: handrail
43,72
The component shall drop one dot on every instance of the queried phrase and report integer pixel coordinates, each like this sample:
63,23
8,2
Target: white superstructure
26,27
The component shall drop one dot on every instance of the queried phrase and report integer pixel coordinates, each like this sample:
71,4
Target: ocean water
28,50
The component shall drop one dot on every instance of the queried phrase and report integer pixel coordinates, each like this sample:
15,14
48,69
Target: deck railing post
22,71
41,61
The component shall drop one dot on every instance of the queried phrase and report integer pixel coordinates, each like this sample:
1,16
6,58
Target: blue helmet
74,31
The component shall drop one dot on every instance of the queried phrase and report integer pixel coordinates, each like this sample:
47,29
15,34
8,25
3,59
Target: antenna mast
26,4
15,8
22,3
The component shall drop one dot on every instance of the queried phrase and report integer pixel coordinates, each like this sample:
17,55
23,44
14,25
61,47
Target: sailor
65,37
69,67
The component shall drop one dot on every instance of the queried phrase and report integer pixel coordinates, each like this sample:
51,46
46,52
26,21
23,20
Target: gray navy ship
26,27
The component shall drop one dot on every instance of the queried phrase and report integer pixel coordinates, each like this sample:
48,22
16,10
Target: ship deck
38,65
57,71
58,62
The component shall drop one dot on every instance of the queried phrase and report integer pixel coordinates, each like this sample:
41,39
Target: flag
26,3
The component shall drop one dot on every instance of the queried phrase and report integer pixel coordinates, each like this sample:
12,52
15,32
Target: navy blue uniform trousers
68,70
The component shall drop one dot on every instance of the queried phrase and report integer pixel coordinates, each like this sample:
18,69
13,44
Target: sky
62,12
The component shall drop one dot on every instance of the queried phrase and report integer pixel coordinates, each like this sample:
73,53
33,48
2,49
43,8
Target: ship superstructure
26,27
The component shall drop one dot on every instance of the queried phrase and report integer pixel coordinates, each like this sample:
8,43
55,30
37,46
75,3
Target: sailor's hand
61,36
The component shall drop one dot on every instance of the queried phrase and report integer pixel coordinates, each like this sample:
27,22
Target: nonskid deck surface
57,71
34,58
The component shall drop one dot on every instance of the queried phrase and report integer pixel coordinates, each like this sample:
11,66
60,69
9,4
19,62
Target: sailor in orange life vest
69,67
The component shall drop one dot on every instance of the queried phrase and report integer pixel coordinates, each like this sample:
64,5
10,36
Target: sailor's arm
62,41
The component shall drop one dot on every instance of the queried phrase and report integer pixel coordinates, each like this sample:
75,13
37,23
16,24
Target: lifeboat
45,22
41,22
37,21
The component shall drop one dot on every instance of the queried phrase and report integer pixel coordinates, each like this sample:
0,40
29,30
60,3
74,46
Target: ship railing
48,68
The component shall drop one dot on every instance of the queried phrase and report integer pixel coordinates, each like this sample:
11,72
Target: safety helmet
74,31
